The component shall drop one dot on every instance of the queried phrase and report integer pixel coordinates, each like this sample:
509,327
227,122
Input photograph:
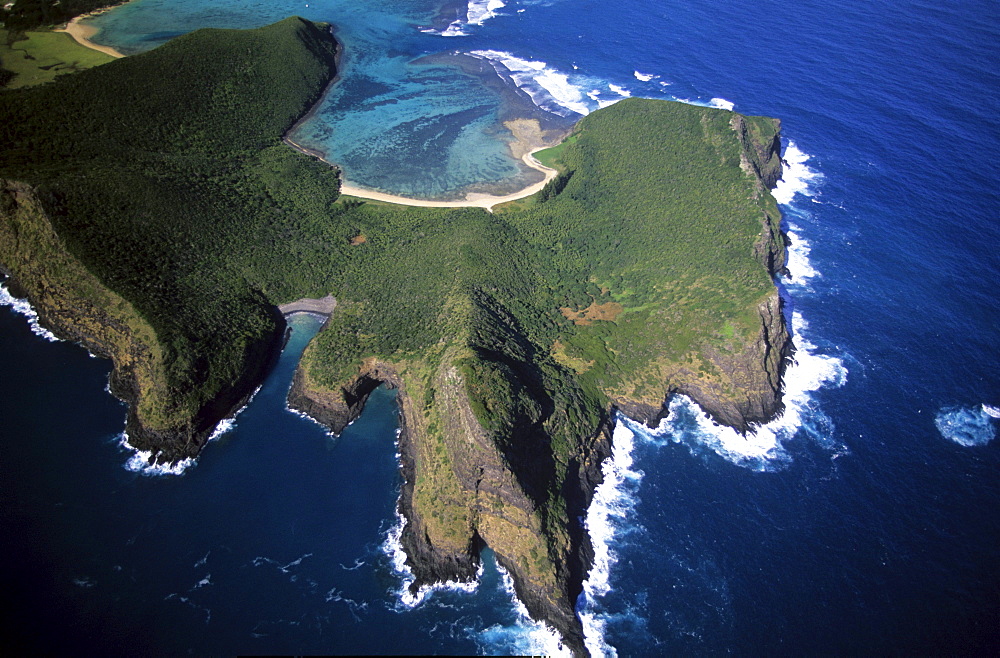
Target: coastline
472,199
321,306
82,33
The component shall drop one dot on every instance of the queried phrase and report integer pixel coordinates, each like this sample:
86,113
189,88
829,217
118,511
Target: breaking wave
525,636
614,500
809,370
22,307
550,89
393,548
967,426
477,13
797,176
761,449
139,461
722,104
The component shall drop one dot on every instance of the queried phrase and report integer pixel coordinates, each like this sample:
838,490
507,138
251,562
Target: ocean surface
865,520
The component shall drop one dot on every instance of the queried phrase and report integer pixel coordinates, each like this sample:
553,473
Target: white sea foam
722,104
797,176
482,10
762,448
22,307
611,503
393,548
621,91
614,500
139,463
477,13
548,88
306,416
967,426
525,636
810,370
643,77
800,270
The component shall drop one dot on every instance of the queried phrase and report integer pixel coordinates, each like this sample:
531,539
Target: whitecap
643,77
614,501
548,88
22,307
722,104
482,10
800,269
393,549
595,95
991,410
525,636
477,13
966,426
797,177
761,448
621,91
611,504
139,461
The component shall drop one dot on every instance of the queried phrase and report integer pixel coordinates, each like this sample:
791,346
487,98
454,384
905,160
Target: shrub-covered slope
153,171
152,212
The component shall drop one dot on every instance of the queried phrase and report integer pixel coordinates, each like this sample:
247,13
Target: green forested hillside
156,169
643,268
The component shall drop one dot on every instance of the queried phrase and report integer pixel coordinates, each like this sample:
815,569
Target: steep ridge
139,207
168,244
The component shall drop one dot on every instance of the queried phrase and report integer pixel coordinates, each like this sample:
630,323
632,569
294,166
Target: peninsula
161,221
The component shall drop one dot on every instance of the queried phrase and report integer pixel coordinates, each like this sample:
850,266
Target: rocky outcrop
761,141
462,490
752,391
744,387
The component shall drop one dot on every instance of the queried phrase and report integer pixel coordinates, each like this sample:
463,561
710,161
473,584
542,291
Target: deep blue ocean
866,520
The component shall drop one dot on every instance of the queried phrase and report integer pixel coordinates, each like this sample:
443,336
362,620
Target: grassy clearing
552,157
39,57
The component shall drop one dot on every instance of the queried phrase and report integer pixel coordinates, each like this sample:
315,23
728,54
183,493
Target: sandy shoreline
472,200
323,306
82,34
525,139
528,140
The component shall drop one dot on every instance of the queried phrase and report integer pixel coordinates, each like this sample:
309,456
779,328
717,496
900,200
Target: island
160,220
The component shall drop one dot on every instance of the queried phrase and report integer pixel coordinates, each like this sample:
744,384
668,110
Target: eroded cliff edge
130,235
511,337
516,470
75,305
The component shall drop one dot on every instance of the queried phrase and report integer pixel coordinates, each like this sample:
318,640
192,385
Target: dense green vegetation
155,183
30,14
177,193
639,261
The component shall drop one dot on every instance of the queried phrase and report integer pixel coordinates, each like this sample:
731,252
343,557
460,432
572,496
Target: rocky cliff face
461,491
467,485
744,387
76,306
749,389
